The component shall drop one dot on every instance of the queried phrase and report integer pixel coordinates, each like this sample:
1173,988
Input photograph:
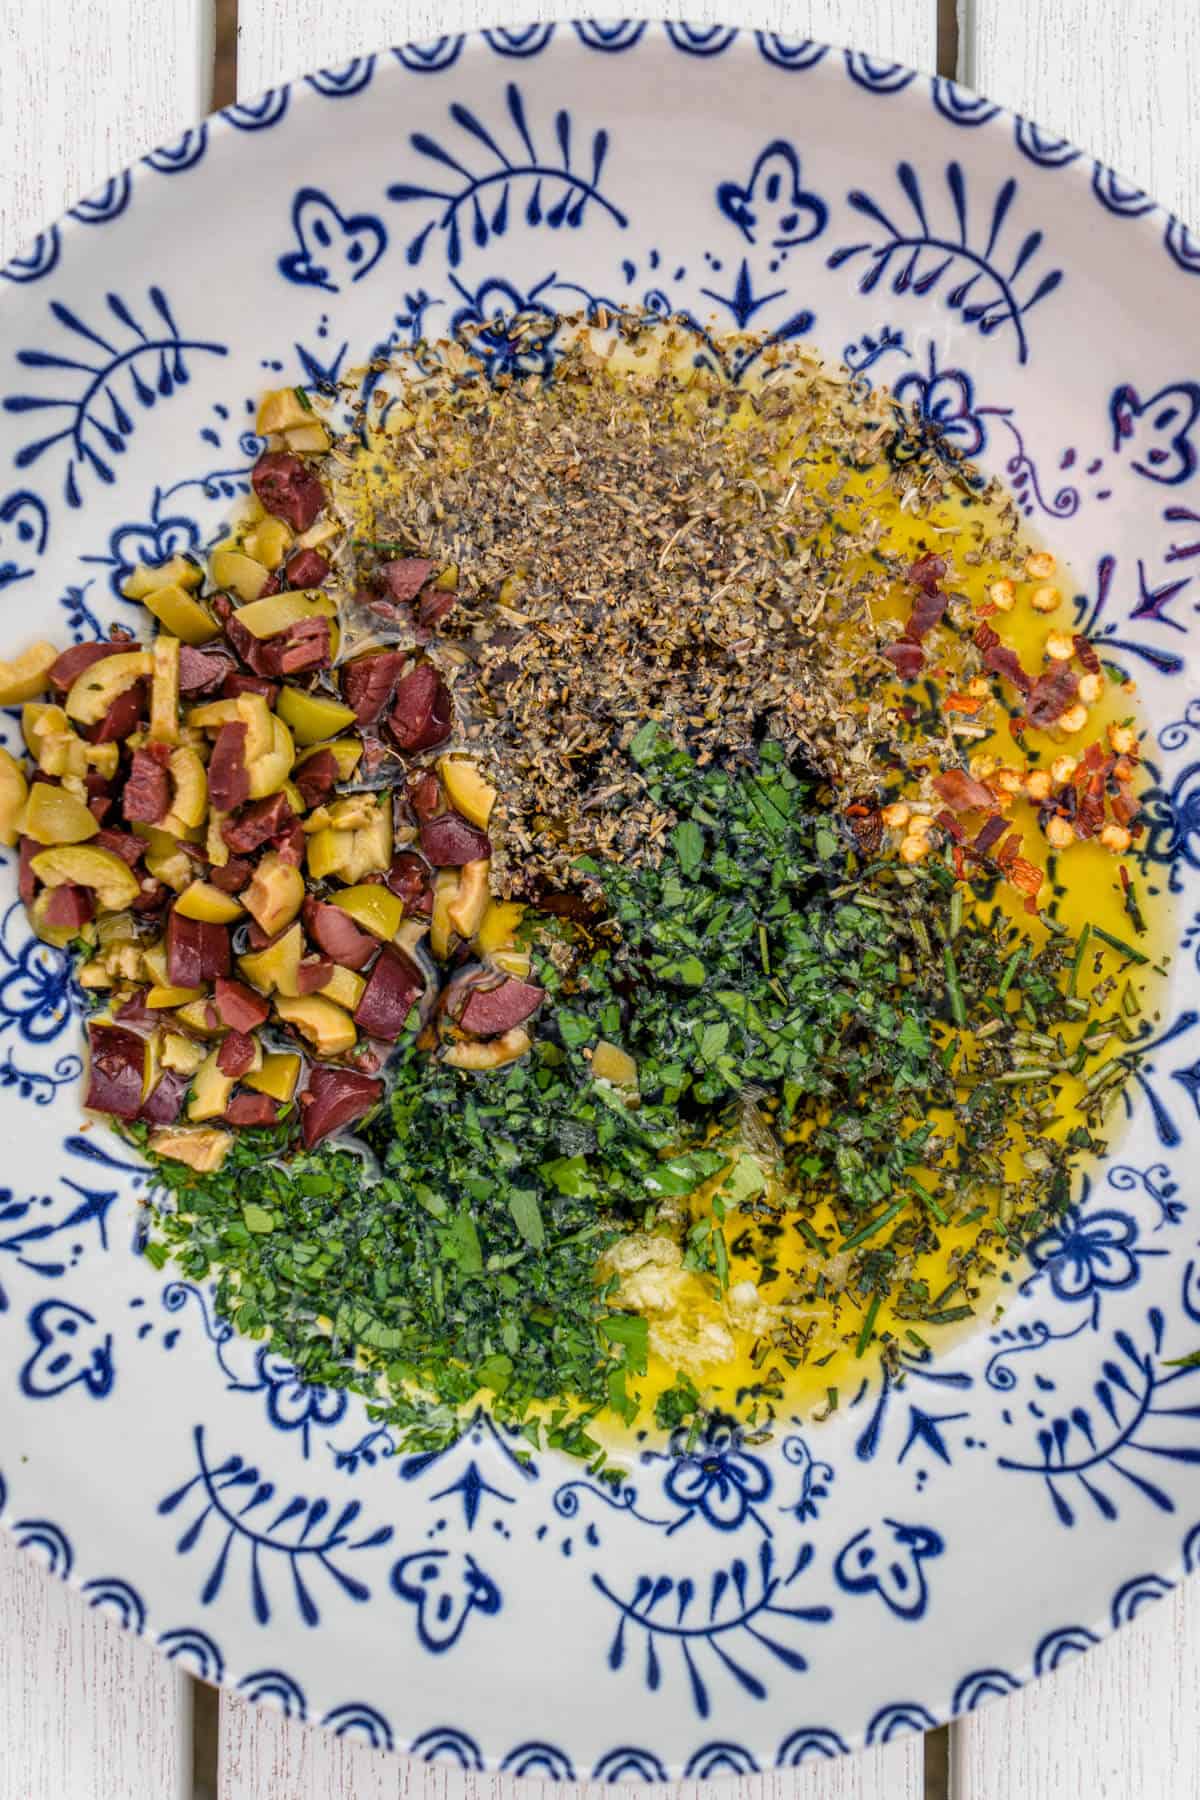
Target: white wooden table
88,1713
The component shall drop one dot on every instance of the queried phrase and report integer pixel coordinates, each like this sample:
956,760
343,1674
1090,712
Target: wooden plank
86,88
1117,77
1121,1720
87,1712
264,1754
279,39
260,1752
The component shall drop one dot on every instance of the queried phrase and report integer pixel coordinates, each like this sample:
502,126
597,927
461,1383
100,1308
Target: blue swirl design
558,192
47,1542
106,1593
609,35
1117,195
793,54
896,1720
1043,147
987,291
712,1761
187,1644
539,1761
261,113
1060,1646
1183,246
296,1535
107,203
959,104
445,1743
38,259
700,40
105,371
430,58
181,154
280,1690
518,40
356,1720
810,1743
1133,1596
981,1686
347,79
876,74
628,1763
1191,1544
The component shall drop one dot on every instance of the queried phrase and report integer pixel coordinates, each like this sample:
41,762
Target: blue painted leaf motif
746,1609
1140,1438
150,358
70,1350
333,249
292,1536
918,256
560,191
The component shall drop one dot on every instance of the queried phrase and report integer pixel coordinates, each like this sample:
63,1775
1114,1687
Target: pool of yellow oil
1089,888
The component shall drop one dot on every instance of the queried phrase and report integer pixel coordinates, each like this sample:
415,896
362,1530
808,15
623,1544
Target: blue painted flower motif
944,398
292,1405
488,323
152,541
35,991
1089,1255
716,1478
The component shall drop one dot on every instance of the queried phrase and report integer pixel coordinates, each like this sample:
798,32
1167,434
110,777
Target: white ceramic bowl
938,1540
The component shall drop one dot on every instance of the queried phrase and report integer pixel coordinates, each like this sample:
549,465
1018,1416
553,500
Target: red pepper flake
949,824
1009,850
990,832
1086,652
1025,876
962,703
1051,695
962,793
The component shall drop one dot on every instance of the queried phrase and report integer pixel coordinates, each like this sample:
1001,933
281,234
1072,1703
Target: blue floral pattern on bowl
273,1535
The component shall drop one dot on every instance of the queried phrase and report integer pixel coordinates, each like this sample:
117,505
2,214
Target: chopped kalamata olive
165,1103
306,569
410,878
122,844
425,795
238,1006
301,649
202,671
122,717
232,876
248,647
405,576
316,777
236,1054
117,1070
79,657
314,973
335,932
333,1098
369,682
432,606
287,489
151,896
449,841
393,987
146,796
251,1110
134,1011
196,951
489,1012
228,776
258,823
68,907
289,844
236,683
421,710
